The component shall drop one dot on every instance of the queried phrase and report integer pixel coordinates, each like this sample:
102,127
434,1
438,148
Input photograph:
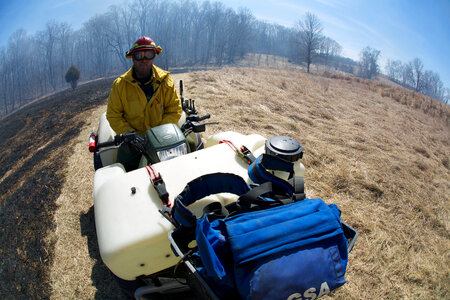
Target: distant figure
142,98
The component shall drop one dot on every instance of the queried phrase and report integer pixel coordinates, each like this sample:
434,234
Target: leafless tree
17,46
329,49
4,81
432,85
407,75
64,47
394,70
310,37
274,39
119,32
446,96
47,39
97,41
417,68
241,37
369,62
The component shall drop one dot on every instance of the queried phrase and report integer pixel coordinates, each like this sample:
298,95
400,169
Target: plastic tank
131,233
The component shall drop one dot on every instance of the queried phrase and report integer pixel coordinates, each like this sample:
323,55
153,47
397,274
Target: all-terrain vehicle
139,236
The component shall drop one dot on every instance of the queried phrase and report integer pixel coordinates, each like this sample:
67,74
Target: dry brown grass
384,163
386,88
77,271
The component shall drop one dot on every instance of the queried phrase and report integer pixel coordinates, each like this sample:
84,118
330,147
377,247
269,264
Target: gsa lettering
310,294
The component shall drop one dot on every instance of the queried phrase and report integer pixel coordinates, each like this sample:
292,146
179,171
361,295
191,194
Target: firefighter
141,98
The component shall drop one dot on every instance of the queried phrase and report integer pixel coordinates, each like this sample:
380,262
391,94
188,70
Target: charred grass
36,143
384,162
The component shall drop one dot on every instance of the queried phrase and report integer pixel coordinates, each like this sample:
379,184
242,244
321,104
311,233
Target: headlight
172,152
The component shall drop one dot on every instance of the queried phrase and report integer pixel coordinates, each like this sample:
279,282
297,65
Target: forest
191,33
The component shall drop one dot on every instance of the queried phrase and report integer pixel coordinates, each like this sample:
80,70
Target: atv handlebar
207,116
196,118
192,124
118,139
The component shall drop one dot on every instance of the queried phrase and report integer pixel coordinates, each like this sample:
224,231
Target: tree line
191,34
410,75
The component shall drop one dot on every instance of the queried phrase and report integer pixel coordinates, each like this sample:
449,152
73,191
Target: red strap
243,152
159,185
229,143
153,174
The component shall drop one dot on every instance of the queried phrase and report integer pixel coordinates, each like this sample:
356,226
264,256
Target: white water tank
131,233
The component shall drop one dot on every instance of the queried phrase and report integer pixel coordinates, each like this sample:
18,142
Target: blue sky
400,29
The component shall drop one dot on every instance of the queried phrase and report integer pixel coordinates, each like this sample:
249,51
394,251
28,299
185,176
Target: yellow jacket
128,109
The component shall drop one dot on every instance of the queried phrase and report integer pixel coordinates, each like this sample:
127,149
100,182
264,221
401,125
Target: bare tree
143,10
198,31
432,85
328,49
417,68
4,80
99,56
394,70
446,96
369,62
17,46
240,26
310,37
407,75
47,40
120,32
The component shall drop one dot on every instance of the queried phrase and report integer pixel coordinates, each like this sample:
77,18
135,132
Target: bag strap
258,173
201,187
255,200
298,183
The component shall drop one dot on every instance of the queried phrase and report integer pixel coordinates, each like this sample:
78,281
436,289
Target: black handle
118,139
207,116
106,144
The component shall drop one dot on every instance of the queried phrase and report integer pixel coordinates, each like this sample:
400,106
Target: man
142,98
145,96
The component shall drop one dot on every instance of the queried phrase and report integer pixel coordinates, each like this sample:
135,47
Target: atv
134,210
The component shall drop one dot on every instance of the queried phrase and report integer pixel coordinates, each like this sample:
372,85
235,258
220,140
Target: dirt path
77,270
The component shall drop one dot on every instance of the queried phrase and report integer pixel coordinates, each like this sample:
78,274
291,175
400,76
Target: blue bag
269,248
295,250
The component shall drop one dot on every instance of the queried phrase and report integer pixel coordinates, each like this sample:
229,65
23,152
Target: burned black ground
34,145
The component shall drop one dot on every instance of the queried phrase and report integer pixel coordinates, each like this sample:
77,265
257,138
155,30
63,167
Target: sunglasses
147,54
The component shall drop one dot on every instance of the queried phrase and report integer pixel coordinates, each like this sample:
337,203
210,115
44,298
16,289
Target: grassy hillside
381,153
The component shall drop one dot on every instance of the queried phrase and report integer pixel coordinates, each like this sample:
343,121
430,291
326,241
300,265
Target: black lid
284,147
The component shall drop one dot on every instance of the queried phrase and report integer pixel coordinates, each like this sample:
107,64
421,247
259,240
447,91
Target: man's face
143,62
